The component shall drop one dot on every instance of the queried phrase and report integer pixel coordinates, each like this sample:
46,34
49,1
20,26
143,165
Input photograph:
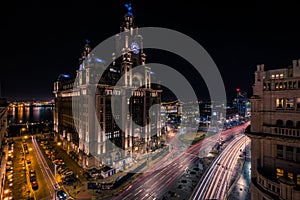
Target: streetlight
22,130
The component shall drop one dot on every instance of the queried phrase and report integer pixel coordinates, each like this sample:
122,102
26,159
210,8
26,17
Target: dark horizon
41,41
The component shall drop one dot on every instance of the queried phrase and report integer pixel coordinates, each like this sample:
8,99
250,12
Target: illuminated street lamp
22,130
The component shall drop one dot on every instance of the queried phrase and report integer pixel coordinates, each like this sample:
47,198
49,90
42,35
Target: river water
29,120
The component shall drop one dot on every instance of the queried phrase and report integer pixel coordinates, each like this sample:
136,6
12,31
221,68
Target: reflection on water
20,115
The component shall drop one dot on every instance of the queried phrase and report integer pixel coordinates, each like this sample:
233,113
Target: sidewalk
241,189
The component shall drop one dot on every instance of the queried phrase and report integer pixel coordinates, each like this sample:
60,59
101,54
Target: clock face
135,47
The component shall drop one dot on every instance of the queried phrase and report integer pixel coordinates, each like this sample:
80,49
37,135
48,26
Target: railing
267,184
292,132
283,131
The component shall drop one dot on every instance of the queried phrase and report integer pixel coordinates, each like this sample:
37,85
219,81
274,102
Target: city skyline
236,37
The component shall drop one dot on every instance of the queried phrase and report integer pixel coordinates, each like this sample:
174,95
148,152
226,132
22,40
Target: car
9,168
26,151
35,185
28,161
64,170
70,178
66,174
32,177
58,162
32,171
61,195
9,163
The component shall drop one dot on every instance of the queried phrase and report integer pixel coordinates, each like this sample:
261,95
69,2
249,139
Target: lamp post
22,130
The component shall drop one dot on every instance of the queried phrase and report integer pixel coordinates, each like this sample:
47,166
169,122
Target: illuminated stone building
275,133
95,144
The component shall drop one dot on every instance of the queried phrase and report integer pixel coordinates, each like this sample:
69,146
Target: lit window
273,76
290,175
279,172
289,103
281,76
298,103
298,179
277,76
279,103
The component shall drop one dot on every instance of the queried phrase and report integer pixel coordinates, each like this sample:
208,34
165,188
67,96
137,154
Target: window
278,190
279,172
279,122
289,103
273,76
290,175
298,179
279,103
298,154
279,151
108,135
298,124
289,153
289,123
298,103
281,76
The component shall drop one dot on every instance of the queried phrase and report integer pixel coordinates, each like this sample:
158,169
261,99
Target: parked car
32,171
32,177
70,173
35,185
62,171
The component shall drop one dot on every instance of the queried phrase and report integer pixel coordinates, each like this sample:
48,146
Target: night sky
41,40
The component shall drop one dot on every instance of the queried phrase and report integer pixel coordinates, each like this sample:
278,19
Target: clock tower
130,46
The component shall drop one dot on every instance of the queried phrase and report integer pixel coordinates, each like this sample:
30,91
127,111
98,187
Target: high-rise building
275,133
94,144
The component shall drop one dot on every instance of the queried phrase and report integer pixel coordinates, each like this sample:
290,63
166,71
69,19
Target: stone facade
92,129
275,133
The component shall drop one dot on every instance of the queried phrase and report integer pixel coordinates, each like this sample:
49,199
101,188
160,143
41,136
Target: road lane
171,167
214,183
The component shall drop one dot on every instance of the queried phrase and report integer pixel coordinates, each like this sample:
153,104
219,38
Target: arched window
298,124
279,122
289,123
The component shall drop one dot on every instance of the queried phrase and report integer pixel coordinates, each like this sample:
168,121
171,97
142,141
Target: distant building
242,104
171,113
275,133
90,145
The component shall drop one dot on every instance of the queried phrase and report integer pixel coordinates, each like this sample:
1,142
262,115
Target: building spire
128,19
129,9
86,51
